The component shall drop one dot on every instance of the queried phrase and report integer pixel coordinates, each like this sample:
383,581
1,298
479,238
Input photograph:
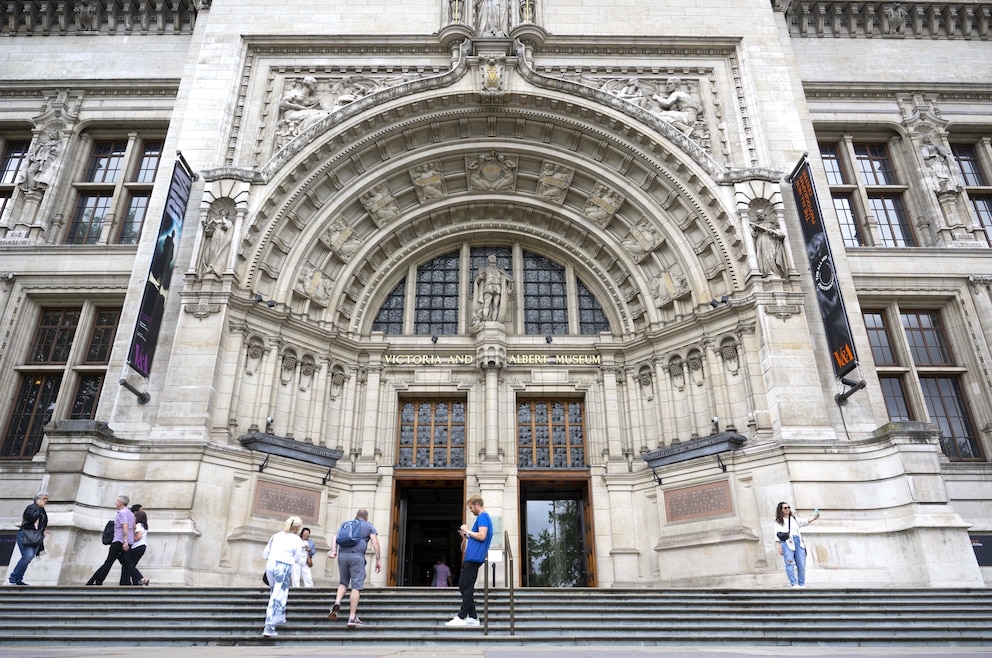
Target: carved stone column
491,357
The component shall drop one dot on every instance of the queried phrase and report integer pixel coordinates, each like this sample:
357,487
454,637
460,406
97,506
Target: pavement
543,651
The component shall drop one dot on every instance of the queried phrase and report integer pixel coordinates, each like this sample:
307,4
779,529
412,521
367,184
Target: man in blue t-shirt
476,546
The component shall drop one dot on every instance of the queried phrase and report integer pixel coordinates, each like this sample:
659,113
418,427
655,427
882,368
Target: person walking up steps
349,547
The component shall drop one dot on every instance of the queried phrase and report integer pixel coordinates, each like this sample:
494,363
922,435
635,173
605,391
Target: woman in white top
283,551
790,543
137,549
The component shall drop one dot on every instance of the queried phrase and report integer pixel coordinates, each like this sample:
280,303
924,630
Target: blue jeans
27,554
795,560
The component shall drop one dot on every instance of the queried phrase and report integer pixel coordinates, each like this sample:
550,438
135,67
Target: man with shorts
351,567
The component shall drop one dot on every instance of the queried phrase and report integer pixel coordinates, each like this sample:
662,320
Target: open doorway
556,534
427,515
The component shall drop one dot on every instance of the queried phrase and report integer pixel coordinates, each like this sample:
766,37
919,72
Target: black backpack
108,533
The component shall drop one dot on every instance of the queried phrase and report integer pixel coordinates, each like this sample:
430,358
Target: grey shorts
351,568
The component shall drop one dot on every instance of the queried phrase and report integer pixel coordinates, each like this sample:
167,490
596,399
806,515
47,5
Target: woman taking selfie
790,542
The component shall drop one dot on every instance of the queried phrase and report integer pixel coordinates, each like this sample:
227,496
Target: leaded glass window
545,297
550,434
431,434
389,320
592,320
436,307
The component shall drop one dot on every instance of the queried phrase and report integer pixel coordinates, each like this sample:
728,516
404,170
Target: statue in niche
490,172
678,107
428,181
602,204
381,204
894,18
341,238
492,290
527,11
641,239
669,285
489,18
213,248
695,363
41,156
456,11
553,183
939,161
769,244
647,384
88,16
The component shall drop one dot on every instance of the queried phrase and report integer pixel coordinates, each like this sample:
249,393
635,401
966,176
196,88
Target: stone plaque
698,502
280,501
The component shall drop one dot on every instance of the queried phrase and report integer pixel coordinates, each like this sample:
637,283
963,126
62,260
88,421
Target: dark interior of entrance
430,517
554,546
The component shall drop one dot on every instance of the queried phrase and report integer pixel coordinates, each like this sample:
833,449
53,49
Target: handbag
33,537
784,536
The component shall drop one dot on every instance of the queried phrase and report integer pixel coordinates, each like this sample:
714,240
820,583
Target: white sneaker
269,632
458,621
471,621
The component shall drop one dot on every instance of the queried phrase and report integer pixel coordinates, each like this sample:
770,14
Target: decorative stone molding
99,17
889,20
201,311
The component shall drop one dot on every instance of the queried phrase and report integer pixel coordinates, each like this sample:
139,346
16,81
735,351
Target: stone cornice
99,18
887,20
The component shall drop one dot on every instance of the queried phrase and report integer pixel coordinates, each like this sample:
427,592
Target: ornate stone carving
491,79
491,172
314,284
668,286
491,294
554,181
641,239
769,243
216,241
381,204
428,180
41,162
602,204
490,18
340,237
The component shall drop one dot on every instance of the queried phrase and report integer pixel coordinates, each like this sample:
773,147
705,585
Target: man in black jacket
35,516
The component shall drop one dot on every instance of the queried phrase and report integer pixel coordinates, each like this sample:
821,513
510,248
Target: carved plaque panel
280,501
698,502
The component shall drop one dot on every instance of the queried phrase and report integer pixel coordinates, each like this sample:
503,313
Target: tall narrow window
977,188
545,297
52,366
436,310
14,155
389,319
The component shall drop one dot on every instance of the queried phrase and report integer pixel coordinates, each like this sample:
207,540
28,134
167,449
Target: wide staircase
415,617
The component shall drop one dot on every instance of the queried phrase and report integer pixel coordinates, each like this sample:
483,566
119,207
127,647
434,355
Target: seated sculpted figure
678,108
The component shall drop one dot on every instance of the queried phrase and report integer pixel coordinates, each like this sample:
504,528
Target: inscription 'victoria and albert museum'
511,359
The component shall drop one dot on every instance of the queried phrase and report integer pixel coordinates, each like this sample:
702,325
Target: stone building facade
544,252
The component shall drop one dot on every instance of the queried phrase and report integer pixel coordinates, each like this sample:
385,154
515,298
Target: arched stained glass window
389,320
544,299
436,306
592,320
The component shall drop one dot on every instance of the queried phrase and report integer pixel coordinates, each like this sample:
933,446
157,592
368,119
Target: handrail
508,575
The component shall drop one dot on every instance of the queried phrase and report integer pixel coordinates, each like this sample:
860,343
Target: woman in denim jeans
792,549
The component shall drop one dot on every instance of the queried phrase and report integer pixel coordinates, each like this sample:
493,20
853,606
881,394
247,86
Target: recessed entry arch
330,231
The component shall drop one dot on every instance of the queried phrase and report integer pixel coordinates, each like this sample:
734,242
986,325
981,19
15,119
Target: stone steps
416,616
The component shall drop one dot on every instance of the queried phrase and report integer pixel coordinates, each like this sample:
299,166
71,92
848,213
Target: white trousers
304,574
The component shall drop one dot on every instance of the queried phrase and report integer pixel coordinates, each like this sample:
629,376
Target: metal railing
507,576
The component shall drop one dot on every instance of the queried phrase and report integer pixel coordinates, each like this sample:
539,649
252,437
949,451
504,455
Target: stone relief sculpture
456,11
527,10
668,286
678,107
381,204
492,290
602,204
303,103
340,237
554,181
215,244
41,157
641,239
672,103
491,73
314,284
939,163
769,244
647,383
428,181
490,172
489,18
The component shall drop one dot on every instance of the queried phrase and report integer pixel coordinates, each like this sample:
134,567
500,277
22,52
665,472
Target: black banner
145,337
821,262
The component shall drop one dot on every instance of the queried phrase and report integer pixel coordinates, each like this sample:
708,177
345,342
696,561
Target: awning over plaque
283,447
701,447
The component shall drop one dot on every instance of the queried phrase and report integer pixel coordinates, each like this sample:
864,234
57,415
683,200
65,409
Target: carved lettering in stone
280,501
341,238
698,502
313,283
491,172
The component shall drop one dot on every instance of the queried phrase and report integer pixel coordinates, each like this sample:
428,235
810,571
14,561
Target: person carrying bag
30,536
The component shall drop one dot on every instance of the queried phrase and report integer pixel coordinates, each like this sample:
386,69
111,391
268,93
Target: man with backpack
349,547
